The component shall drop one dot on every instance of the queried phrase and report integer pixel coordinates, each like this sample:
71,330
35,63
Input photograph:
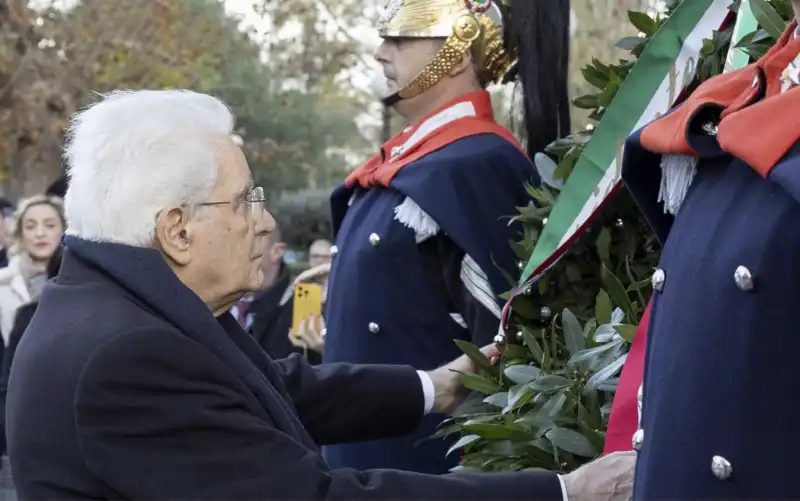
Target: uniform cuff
428,391
563,488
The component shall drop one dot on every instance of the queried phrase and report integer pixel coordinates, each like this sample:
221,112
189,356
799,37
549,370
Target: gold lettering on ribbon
673,91
618,161
688,74
673,85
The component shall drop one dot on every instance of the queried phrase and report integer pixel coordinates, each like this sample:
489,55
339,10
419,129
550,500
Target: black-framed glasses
254,199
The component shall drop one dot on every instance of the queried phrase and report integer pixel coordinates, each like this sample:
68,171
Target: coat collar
731,102
726,115
144,274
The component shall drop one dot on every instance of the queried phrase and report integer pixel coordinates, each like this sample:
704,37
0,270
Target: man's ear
462,66
277,251
173,235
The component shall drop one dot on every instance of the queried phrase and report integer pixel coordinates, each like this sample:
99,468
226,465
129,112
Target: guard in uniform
720,381
422,229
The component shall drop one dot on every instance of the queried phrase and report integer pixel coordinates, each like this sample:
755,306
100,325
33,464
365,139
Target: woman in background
37,230
23,318
21,321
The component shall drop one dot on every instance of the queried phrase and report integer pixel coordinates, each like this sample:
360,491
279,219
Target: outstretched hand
447,380
609,478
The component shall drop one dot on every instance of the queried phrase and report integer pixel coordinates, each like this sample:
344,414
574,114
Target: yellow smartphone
307,303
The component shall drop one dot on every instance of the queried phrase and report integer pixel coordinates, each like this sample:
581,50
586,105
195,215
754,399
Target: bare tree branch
342,31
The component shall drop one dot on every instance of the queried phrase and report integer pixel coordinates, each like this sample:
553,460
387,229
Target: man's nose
266,224
381,53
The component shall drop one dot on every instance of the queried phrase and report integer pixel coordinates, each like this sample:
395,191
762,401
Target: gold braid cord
465,31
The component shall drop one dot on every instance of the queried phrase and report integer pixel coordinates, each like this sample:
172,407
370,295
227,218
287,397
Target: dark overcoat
125,386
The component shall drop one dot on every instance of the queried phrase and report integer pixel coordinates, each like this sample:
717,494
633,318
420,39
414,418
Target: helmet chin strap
392,100
466,30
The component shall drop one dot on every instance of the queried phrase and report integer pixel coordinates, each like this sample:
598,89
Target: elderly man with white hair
134,382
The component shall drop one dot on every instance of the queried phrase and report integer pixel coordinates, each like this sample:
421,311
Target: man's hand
609,478
311,274
447,381
310,334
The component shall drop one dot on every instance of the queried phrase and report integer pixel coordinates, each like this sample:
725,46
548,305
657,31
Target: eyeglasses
254,200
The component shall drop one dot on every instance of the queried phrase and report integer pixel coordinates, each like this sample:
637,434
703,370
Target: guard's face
403,59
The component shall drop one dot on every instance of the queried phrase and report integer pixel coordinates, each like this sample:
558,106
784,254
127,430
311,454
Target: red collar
469,115
759,134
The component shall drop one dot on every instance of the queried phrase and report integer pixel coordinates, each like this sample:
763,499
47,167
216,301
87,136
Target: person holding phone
308,327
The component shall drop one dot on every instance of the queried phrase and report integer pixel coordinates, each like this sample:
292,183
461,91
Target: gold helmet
466,25
527,41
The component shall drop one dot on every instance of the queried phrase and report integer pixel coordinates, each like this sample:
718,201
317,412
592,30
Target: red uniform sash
624,419
469,115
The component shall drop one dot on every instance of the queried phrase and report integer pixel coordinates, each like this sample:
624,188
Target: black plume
540,31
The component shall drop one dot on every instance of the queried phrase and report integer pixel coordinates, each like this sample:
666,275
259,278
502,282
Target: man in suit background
133,381
319,253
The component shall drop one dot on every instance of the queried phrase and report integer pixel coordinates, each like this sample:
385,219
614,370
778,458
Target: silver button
374,239
637,440
544,221
334,250
721,467
500,339
659,277
323,332
743,278
710,128
374,328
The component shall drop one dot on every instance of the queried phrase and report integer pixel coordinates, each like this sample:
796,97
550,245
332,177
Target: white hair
136,152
